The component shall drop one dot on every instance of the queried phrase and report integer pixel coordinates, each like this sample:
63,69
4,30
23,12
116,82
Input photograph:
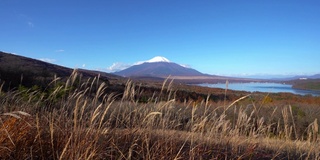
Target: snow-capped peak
155,59
158,59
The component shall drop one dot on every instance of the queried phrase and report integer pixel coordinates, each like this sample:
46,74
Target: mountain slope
17,70
158,69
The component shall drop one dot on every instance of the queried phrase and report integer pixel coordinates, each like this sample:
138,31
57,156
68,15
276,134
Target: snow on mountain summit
155,59
158,59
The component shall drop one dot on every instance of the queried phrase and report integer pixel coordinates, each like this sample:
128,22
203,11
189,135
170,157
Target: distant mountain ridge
297,77
316,76
160,67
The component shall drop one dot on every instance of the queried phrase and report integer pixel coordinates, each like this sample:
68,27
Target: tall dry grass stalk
70,122
225,93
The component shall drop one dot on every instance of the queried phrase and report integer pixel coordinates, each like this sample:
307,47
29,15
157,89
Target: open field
71,120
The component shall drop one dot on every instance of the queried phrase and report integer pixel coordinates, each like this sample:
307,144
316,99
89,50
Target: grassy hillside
77,122
18,71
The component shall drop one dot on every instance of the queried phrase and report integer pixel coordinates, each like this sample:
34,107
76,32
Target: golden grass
79,125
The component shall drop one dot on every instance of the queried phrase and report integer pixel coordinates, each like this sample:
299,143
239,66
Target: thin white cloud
26,19
118,66
83,65
30,24
49,60
138,63
59,50
185,65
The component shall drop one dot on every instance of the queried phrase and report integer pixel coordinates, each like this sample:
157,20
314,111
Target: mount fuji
158,67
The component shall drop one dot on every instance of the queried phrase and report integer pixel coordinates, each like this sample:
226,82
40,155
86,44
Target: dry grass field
75,121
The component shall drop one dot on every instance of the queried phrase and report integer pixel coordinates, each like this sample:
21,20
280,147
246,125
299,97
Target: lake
262,87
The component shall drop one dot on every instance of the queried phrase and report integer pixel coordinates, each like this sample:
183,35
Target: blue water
262,87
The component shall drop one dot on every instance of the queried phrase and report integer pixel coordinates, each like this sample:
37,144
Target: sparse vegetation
307,84
86,121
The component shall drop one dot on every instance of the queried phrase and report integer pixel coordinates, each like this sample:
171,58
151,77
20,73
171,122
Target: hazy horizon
229,38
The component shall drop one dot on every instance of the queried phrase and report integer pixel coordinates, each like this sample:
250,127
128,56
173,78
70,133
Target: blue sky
229,37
